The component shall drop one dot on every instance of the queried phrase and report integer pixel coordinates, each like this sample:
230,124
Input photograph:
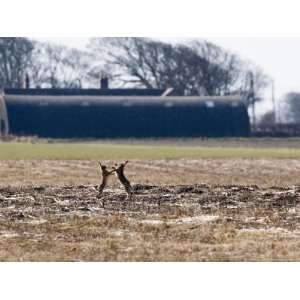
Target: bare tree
192,68
222,70
253,81
267,119
15,58
292,107
56,66
152,64
131,60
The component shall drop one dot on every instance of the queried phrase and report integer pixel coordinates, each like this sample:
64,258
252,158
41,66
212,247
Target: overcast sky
279,57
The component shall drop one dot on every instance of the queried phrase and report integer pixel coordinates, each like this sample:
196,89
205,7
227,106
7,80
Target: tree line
195,67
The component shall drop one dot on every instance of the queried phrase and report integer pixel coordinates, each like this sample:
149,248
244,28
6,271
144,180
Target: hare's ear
126,162
99,162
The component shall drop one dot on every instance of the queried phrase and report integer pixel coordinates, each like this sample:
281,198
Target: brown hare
119,169
105,176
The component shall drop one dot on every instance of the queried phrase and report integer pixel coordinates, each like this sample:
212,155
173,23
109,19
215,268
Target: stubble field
200,208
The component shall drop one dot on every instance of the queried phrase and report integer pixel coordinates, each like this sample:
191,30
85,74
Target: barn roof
86,92
168,101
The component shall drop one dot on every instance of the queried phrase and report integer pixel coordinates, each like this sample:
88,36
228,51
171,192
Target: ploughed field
183,210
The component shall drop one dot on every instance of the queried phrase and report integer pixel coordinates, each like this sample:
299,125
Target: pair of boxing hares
119,171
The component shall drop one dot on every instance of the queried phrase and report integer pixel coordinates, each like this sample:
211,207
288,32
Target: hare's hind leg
99,195
129,192
100,190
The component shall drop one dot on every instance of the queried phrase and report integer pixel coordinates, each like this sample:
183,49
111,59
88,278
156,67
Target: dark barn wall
93,119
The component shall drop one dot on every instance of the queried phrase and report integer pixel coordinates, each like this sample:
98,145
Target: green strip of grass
91,151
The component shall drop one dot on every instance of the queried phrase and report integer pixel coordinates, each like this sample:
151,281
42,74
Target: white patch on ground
36,222
8,235
256,220
153,222
121,232
272,230
118,232
187,220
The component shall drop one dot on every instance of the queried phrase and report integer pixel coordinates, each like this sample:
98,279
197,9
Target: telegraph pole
273,101
251,98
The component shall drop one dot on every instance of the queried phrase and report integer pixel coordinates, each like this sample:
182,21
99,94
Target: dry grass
262,172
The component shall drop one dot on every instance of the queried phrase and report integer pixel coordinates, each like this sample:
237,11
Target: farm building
121,113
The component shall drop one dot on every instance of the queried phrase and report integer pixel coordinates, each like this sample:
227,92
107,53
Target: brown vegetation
240,217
